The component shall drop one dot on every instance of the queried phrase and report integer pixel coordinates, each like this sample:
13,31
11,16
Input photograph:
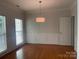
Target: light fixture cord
40,2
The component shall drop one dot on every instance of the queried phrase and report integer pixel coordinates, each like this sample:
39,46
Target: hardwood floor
42,52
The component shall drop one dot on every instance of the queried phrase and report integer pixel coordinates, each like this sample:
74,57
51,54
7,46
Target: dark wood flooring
32,51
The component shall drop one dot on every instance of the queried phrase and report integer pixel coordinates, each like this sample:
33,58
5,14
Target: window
19,31
3,44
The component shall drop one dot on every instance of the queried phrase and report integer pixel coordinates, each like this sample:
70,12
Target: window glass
3,44
19,31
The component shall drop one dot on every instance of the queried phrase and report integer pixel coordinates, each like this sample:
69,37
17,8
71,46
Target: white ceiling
33,4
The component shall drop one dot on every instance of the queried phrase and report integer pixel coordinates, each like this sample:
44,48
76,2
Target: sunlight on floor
19,54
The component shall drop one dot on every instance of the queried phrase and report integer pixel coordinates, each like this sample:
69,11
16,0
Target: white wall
74,13
48,32
11,12
66,31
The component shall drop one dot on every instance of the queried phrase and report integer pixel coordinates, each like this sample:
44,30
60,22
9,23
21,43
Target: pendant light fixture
40,18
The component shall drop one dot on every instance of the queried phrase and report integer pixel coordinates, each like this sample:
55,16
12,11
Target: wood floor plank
32,51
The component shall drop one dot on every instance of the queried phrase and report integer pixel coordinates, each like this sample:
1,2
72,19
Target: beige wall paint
11,12
48,32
